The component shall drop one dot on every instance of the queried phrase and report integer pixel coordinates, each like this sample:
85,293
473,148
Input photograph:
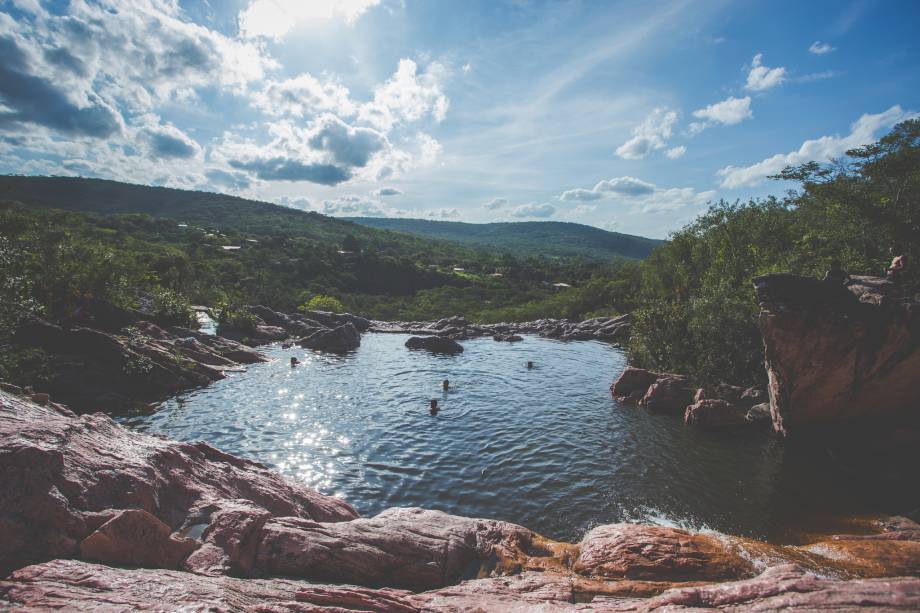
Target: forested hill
552,238
204,209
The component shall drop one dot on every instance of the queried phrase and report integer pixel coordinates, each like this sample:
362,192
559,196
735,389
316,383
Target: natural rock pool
547,448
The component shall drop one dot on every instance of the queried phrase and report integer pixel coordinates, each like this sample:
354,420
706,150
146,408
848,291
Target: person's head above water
529,364
294,361
445,384
434,406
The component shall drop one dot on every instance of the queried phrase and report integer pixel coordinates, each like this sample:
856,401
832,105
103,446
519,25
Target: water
547,448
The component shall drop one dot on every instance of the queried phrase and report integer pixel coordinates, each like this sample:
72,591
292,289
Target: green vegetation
692,298
324,303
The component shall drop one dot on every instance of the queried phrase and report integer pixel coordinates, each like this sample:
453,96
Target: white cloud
496,203
358,206
304,95
864,131
443,213
819,48
408,96
275,18
639,195
761,78
466,68
387,191
652,134
728,112
167,141
533,209
676,152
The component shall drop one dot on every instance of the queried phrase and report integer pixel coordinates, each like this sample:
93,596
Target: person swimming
529,365
445,384
434,406
294,361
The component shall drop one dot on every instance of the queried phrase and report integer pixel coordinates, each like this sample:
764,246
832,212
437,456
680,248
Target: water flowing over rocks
836,354
203,529
608,329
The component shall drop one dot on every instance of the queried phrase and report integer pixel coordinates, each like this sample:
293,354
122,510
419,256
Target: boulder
401,547
507,338
669,393
712,413
260,334
435,344
835,356
632,551
632,382
343,339
64,477
759,414
136,538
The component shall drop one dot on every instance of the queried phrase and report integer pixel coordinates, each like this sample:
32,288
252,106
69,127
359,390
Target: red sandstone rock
711,413
632,551
401,547
63,477
632,381
136,538
833,355
669,393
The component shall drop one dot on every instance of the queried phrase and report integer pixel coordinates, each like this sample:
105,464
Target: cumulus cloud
357,206
761,78
286,169
652,134
728,112
408,96
639,195
676,152
496,203
387,191
443,213
533,209
275,18
864,131
819,48
234,181
168,141
347,145
304,95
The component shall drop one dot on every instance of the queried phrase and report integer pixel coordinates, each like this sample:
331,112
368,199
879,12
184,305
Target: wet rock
836,354
633,551
136,538
507,338
669,393
434,344
343,339
64,477
710,413
334,320
401,547
259,334
759,414
632,383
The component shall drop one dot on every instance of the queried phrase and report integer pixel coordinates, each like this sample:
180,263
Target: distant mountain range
226,212
552,238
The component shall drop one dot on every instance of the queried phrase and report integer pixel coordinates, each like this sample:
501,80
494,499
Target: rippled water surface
547,448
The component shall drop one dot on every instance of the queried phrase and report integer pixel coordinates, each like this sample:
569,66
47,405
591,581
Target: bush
172,308
324,303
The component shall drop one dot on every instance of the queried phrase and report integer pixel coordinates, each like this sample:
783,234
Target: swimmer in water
434,406
294,361
445,384
529,364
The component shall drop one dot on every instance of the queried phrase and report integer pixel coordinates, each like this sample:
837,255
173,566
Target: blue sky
624,115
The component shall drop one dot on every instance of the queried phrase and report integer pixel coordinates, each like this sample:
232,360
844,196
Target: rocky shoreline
94,516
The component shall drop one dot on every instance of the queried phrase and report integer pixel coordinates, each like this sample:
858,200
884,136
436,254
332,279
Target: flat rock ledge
613,330
96,517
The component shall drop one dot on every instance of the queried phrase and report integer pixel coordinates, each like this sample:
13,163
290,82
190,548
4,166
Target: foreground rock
435,344
92,368
68,482
834,355
75,585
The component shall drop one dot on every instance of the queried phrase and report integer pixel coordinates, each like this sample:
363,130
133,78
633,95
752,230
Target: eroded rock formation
202,529
835,354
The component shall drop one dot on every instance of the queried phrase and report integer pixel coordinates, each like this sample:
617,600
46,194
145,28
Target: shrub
321,302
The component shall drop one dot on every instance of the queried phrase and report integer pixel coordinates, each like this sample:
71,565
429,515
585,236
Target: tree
324,303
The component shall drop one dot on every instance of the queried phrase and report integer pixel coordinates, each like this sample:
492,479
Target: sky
626,115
